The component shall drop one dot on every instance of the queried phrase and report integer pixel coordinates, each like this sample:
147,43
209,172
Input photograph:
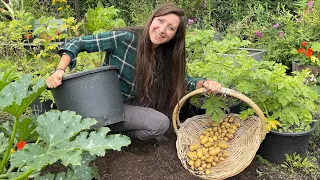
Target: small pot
93,93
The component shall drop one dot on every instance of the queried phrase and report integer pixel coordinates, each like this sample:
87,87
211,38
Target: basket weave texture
242,148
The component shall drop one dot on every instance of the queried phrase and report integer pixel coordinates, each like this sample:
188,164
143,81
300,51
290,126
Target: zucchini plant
30,144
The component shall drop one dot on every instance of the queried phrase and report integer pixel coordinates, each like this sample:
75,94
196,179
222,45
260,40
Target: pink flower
190,21
259,34
310,4
276,25
281,34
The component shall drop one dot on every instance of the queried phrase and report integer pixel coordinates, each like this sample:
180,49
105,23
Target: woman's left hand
212,87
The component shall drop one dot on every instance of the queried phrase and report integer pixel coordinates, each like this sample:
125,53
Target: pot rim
313,127
91,71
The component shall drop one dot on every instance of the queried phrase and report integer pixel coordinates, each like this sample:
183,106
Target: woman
152,66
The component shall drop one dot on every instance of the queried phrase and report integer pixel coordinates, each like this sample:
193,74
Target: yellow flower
313,58
60,9
12,150
67,6
53,2
70,20
272,124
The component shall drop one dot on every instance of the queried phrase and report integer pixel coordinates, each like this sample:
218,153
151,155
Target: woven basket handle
230,92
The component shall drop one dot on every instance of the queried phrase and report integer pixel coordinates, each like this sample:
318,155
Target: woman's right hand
55,79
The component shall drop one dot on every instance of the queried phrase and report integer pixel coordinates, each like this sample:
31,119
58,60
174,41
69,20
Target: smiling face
163,28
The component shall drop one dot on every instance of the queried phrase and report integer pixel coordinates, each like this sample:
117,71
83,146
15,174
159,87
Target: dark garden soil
143,160
150,161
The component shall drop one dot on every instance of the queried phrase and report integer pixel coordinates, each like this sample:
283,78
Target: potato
215,151
208,144
214,138
194,147
197,163
204,140
229,136
192,155
207,171
199,154
223,145
225,154
191,162
231,119
231,131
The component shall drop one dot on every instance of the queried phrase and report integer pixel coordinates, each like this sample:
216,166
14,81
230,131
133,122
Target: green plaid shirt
121,47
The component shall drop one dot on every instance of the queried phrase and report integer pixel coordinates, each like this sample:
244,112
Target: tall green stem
26,174
6,155
265,108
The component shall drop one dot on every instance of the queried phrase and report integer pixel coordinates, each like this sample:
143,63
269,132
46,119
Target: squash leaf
65,139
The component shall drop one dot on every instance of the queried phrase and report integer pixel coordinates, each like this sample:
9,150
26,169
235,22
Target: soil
143,160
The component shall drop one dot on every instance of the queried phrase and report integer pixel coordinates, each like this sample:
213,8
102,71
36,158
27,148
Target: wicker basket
242,148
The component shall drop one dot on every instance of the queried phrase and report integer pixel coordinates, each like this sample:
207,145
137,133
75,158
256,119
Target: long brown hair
160,72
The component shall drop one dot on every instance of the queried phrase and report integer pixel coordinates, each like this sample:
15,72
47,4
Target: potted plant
307,56
281,31
287,101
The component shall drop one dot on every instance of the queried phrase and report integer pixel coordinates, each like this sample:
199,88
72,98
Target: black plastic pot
276,145
93,93
39,107
188,110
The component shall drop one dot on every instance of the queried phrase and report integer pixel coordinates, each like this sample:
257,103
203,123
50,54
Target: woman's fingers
212,87
55,79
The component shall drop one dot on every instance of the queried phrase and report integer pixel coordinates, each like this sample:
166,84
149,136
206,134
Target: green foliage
18,95
263,161
213,107
57,130
3,143
55,136
7,77
281,97
280,31
102,19
294,162
84,171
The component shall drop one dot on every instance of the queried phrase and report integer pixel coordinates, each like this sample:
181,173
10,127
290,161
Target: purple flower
190,21
259,34
281,34
309,10
276,25
310,4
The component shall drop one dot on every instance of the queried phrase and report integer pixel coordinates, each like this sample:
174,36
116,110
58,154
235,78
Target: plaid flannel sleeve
191,82
107,41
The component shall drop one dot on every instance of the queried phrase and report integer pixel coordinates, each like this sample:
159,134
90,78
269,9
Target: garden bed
143,160
147,160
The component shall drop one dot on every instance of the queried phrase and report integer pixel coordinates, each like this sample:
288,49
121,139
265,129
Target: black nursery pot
276,145
93,93
42,107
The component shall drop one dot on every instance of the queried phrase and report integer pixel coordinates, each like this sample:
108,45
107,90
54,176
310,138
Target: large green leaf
16,97
55,127
6,77
25,130
3,144
83,172
65,140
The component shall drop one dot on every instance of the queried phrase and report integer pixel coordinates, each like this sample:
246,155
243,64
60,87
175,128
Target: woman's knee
158,123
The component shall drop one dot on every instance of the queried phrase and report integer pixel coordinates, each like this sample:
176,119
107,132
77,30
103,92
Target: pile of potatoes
213,144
